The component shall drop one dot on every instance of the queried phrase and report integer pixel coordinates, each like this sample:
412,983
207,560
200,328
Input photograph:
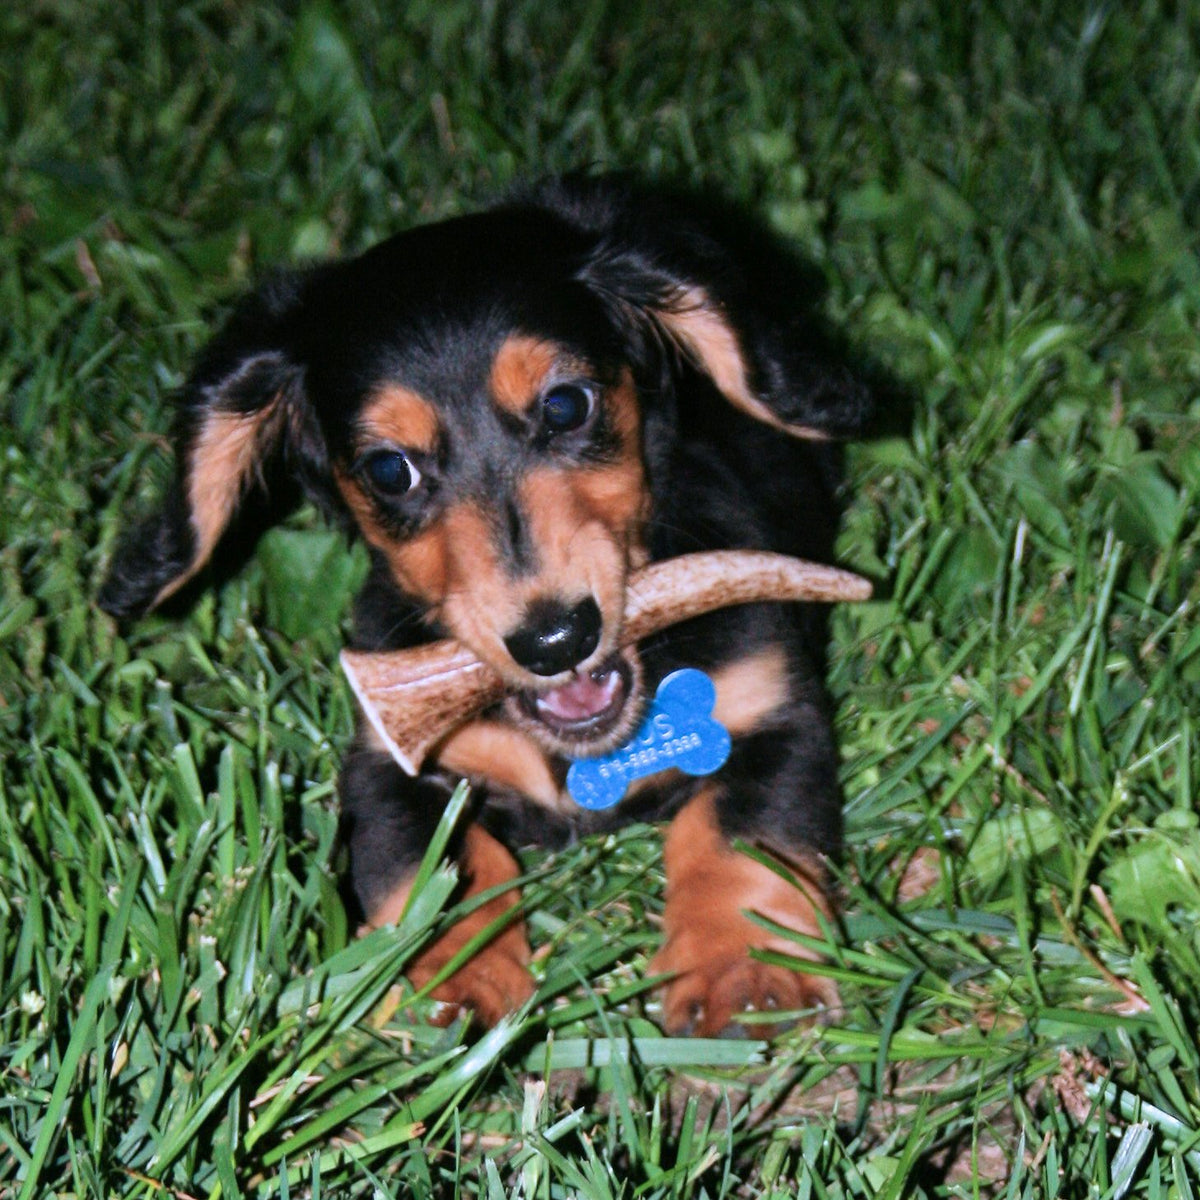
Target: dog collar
677,731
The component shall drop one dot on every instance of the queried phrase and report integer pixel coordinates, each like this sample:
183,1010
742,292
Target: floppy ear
729,297
799,389
243,416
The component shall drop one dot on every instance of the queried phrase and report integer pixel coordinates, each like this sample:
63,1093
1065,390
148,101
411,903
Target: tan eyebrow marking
519,371
401,416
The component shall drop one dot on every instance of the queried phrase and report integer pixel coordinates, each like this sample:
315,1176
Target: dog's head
477,395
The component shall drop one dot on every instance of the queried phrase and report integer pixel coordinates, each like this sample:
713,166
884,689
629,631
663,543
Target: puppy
515,409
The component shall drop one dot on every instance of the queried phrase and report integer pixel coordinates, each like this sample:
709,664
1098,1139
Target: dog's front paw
489,985
495,980
714,981
709,936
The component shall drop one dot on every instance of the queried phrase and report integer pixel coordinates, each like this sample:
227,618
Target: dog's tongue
581,699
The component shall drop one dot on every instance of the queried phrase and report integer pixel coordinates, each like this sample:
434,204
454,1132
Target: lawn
1003,200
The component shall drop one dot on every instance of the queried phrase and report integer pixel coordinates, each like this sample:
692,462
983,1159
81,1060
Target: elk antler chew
415,697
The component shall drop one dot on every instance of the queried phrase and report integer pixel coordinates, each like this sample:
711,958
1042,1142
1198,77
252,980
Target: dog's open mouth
590,713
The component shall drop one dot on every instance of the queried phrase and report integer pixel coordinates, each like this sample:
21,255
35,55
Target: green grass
1003,199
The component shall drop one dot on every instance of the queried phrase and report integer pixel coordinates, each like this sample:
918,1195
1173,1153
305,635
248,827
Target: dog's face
486,437
475,394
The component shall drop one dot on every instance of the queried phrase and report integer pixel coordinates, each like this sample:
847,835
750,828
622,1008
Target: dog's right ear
723,293
243,416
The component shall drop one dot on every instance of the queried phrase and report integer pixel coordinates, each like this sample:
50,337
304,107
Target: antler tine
676,589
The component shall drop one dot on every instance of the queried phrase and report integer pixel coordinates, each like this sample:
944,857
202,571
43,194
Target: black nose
555,638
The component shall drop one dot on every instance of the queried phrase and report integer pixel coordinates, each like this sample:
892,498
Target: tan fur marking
390,909
750,690
496,979
420,564
707,938
482,603
397,415
625,412
701,329
581,522
503,757
697,855
614,494
222,458
519,370
483,864
451,562
359,506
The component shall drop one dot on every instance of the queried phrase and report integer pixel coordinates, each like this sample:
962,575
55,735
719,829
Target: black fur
601,268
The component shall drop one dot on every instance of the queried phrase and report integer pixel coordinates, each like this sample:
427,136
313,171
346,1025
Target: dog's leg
708,937
389,820
495,980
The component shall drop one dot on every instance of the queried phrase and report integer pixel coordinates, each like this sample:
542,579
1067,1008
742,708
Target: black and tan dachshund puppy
515,409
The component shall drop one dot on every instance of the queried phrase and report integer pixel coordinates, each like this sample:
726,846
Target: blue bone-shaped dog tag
678,731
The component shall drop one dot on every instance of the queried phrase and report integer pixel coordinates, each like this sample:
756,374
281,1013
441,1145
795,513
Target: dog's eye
566,406
391,472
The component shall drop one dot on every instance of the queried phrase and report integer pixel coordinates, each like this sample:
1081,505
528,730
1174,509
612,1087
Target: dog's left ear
733,303
243,424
